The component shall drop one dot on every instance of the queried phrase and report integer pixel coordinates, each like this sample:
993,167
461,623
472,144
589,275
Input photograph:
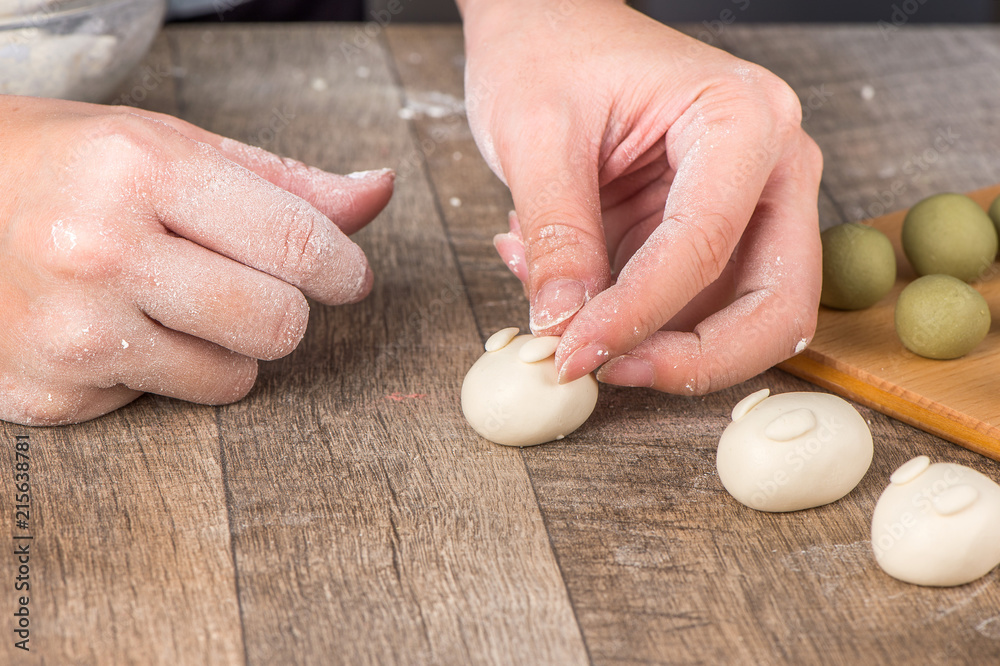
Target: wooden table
345,513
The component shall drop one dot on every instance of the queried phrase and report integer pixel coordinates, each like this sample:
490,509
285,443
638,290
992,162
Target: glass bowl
73,49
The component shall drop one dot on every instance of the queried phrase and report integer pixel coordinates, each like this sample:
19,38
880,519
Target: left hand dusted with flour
143,254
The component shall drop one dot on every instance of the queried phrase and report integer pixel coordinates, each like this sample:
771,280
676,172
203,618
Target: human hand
143,254
634,151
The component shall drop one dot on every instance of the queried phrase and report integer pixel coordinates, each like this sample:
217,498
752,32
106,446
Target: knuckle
39,407
709,240
709,378
239,376
813,154
123,144
713,372
784,101
297,251
82,247
550,239
69,342
71,333
653,318
760,88
701,383
284,331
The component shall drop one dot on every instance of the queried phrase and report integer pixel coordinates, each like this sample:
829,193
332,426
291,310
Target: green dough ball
859,266
995,214
941,317
949,234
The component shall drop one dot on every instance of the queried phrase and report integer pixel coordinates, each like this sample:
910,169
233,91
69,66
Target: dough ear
538,349
957,498
744,406
790,425
910,470
501,339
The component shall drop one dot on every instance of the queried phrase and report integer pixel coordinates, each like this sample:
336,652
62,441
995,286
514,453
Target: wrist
482,18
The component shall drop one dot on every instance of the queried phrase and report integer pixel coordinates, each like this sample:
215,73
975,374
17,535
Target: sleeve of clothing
182,9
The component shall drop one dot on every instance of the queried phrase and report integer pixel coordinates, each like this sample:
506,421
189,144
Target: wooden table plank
899,115
474,204
131,557
130,560
370,525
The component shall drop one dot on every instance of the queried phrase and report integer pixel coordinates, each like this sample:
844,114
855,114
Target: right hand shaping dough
139,253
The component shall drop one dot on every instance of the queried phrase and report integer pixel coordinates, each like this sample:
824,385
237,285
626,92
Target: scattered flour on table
990,628
831,560
964,599
432,104
830,564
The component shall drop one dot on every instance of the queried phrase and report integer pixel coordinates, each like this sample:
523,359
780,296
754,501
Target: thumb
554,185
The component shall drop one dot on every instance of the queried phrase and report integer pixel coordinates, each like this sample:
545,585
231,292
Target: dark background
896,12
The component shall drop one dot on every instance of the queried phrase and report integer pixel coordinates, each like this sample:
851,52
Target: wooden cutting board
858,355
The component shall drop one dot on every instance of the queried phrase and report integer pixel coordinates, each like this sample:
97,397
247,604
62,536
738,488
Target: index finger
722,167
351,200
553,181
208,199
777,285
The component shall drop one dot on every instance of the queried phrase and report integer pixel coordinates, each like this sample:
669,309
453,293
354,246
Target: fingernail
514,224
626,371
583,361
511,250
373,174
555,302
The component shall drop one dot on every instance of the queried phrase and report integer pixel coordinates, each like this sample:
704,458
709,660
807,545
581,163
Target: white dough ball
511,395
937,525
793,451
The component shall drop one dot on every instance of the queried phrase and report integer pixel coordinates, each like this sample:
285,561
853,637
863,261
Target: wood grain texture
345,513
